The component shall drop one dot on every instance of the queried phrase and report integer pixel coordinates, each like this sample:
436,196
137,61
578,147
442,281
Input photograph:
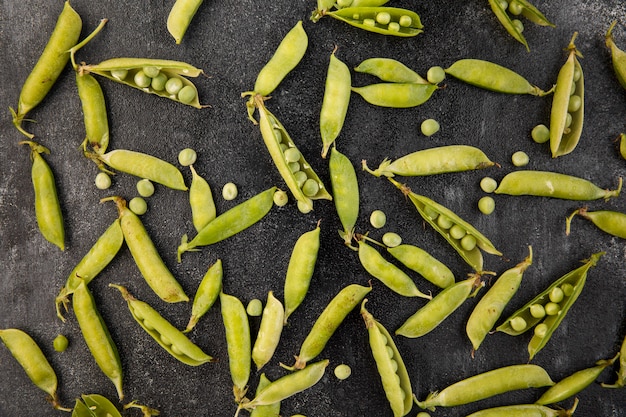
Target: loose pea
444,222
292,155
119,74
280,198
435,75
378,218
541,329
60,343
520,159
229,191
343,371
556,295
310,187
254,308
429,127
187,157
103,181
391,240
457,232
173,85
158,82
486,205
540,133
141,79
151,71
138,205
383,18
537,311
518,324
145,188
552,309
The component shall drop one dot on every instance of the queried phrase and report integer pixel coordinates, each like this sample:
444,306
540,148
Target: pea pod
207,293
525,410
393,374
488,384
618,57
383,20
397,95
553,184
533,14
237,331
390,70
621,373
231,222
335,102
420,261
94,112
571,285
163,332
180,16
611,222
203,209
622,145
270,410
81,410
49,66
438,160
507,23
100,406
345,189
47,205
270,330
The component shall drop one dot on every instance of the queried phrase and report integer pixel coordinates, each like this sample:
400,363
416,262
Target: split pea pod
100,406
618,57
549,307
489,308
207,293
611,222
49,66
345,189
420,261
94,112
383,20
439,308
393,374
390,70
237,331
527,10
525,410
29,355
203,209
47,205
438,160
300,269
97,336
270,330
335,102
328,321
180,16
621,373
396,95
163,332
146,256
231,222
553,184
492,77
270,410
488,384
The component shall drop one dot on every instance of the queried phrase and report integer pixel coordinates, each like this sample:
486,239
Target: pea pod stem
84,42
611,222
621,373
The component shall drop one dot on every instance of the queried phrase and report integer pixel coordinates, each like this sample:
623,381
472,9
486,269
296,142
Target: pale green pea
393,27
378,218
540,133
142,80
229,191
60,343
486,205
468,242
423,414
254,308
300,177
103,181
304,208
431,213
270,331
457,232
344,3
186,94
568,289
435,75
151,71
281,198
575,102
556,295
503,4
187,157
537,311
369,22
383,18
145,188
518,25
207,293
391,240
429,127
518,324
343,371
180,16
405,21
292,155
541,329
173,85
552,309
158,82
201,201
444,222
138,205
520,159
294,167
119,74
515,8
310,187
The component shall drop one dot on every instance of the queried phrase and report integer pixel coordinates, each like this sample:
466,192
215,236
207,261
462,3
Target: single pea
173,85
431,213
292,155
138,205
389,351
186,94
577,74
435,75
556,295
141,79
60,343
119,74
310,187
518,324
103,180
369,22
229,191
405,21
552,308
520,159
575,102
541,329
254,308
486,205
568,289
518,25
488,184
383,18
393,27
304,208
280,198
515,8
378,218
300,177
429,127
568,120
342,371
187,157
294,167
573,88
145,188
468,242
391,239
503,4
151,71
444,222
158,82
540,133
537,311
457,232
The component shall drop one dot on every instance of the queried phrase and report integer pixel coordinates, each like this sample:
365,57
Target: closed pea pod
94,112
525,410
203,209
383,20
270,410
180,16
390,70
612,222
101,406
270,330
207,293
335,102
237,331
420,261
396,95
345,188
621,373
618,56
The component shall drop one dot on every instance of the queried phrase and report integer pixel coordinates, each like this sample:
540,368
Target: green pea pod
420,261
571,285
269,333
488,384
489,308
390,70
49,66
300,270
533,14
431,211
141,165
180,16
270,410
552,184
608,221
341,4
507,23
335,102
564,137
492,77
97,336
100,406
621,373
439,308
345,188
146,256
203,209
47,205
622,145
163,332
237,331
94,112
525,410
397,95
383,20
438,160
29,355
618,57
81,410
393,374
231,222
207,293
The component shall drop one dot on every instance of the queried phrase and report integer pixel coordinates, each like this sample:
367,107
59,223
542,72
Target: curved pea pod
81,410
180,16
574,383
47,205
571,285
328,321
335,102
100,406
270,410
396,95
390,70
94,112
171,69
492,77
270,330
163,332
383,20
345,189
231,222
237,331
146,256
430,211
618,57
525,410
389,274
300,269
553,184
420,261
621,373
141,165
438,160
97,336
203,209
533,14
393,374
439,308
49,66
29,355
206,295
611,222
489,308
488,384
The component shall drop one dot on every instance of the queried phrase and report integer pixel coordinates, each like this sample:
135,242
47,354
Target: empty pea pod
621,373
207,293
335,102
383,20
618,56
420,261
488,384
237,331
163,332
345,189
612,222
203,209
525,410
180,16
390,70
438,160
396,95
270,410
270,330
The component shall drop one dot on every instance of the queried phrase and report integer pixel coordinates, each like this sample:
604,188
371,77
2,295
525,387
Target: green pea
138,205
518,324
166,340
431,213
396,95
378,218
343,371
145,188
391,240
393,27
303,207
173,85
383,18
60,343
345,189
444,222
141,79
541,329
300,177
537,311
103,181
158,82
435,75
292,155
294,167
281,198
423,413
337,91
229,191
520,159
515,8
552,308
488,184
457,232
119,74
575,102
187,94
486,205
540,133
468,242
369,22
187,157
344,3
568,289
518,25
310,187
618,56
270,410
503,4
556,295
94,112
423,263
254,308
405,21
429,127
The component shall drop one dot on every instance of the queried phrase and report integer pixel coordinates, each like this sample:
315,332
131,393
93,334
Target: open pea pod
533,14
507,22
99,406
384,20
169,77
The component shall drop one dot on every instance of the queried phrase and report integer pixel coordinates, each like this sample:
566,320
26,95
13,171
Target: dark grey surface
231,41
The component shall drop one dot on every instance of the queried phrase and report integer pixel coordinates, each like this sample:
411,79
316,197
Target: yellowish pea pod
396,95
618,56
237,331
94,112
269,333
526,410
270,410
335,102
180,16
383,20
